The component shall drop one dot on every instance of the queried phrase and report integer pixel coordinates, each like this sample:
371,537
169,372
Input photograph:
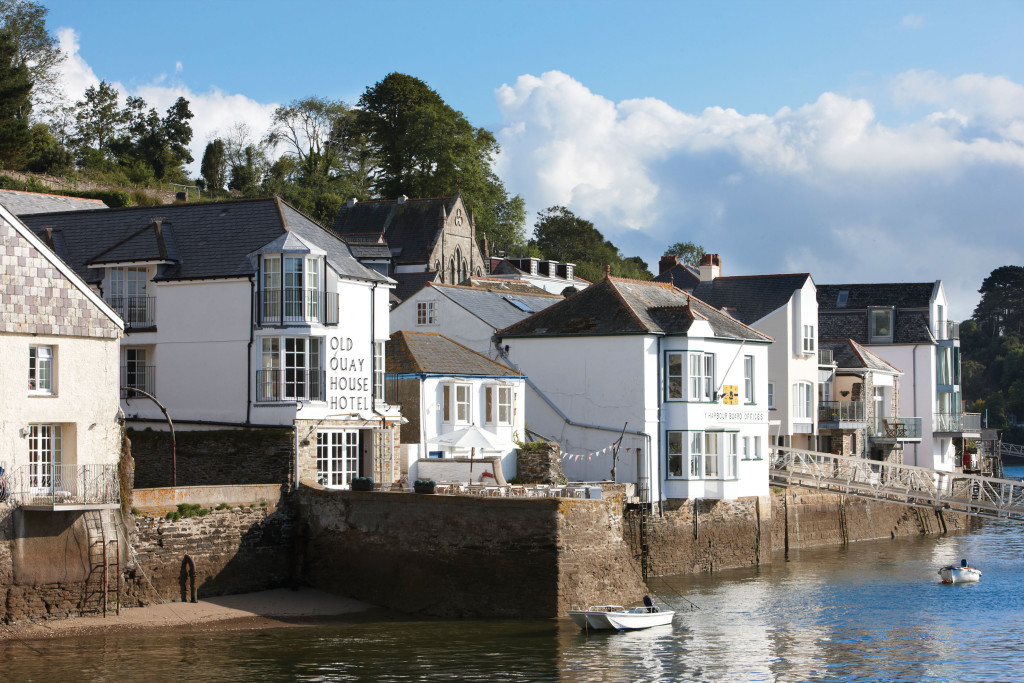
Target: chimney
351,202
401,199
487,253
710,267
607,271
667,263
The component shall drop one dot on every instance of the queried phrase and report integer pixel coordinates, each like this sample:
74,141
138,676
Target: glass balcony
825,357
841,411
948,330
895,428
957,422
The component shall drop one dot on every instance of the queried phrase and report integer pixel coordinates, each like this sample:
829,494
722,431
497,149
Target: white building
243,314
907,325
445,388
470,315
785,307
651,380
60,440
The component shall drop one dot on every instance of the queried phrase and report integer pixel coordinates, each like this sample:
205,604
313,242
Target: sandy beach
266,609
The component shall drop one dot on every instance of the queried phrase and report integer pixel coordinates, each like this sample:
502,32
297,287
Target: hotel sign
737,415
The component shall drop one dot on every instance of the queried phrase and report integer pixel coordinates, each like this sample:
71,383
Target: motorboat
616,617
961,573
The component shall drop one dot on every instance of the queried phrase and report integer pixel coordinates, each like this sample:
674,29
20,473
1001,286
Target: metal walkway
917,486
1011,450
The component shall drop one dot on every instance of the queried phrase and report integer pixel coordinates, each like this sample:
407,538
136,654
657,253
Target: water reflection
872,611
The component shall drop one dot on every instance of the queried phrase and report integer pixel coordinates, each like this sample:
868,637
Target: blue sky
858,141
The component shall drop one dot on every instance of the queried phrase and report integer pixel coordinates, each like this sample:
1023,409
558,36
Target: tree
25,21
1001,309
563,236
15,88
47,155
309,128
214,165
687,252
99,122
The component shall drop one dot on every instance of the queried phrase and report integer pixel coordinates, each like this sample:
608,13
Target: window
40,370
44,456
879,399
461,399
292,288
271,287
808,339
446,403
426,313
771,395
128,294
757,448
312,289
711,456
824,392
746,448
702,376
881,324
731,447
378,371
842,298
337,457
500,412
696,448
291,369
802,400
748,378
674,452
674,374
134,374
520,304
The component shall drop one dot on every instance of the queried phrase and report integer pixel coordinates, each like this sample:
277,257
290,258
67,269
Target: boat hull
619,620
960,575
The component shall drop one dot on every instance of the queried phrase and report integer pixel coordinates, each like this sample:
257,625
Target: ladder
104,562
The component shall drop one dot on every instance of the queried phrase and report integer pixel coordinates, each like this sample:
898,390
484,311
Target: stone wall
461,556
540,465
215,457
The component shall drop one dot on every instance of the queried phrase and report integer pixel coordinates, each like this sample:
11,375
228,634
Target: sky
857,141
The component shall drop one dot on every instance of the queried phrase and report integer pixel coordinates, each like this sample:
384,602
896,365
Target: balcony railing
138,312
137,377
300,306
957,422
48,484
825,357
898,428
289,385
841,411
948,330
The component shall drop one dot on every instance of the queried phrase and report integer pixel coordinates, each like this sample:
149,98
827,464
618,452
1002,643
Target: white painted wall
453,321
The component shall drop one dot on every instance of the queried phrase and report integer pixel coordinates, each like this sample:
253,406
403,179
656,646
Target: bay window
674,451
674,375
292,290
702,377
731,447
498,405
711,459
291,369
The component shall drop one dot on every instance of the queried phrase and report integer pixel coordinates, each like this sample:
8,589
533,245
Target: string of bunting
593,454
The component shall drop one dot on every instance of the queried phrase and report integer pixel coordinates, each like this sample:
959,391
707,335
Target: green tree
47,155
687,252
214,165
98,125
1001,309
15,104
308,128
25,22
561,235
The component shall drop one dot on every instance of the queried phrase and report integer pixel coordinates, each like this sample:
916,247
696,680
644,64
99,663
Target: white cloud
913,21
215,111
824,187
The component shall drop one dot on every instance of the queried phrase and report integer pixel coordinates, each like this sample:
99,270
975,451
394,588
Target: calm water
874,611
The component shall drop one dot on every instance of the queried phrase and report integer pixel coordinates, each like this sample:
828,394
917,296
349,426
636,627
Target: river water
873,611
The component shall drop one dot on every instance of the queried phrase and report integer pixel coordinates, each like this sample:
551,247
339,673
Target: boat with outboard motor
963,573
616,617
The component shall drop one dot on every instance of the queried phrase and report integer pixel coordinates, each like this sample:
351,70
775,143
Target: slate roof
434,354
750,298
413,225
617,306
410,283
507,285
910,320
495,306
22,203
369,250
681,275
850,354
201,241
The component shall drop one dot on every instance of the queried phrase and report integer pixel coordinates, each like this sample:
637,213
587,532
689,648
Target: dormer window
880,320
128,296
292,289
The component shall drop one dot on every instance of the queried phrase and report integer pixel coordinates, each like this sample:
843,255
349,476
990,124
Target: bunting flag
589,456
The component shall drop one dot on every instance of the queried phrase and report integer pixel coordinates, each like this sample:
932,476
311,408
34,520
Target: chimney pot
351,202
710,267
667,263
607,271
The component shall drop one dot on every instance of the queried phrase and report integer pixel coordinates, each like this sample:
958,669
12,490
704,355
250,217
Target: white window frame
748,378
675,453
456,400
426,313
378,371
45,452
696,451
271,282
504,406
712,456
337,457
40,370
746,448
297,372
675,382
771,395
803,400
702,377
127,285
808,339
731,447
135,361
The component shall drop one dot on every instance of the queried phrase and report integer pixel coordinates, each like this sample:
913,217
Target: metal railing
137,377
947,330
841,411
918,486
290,385
299,306
894,428
138,312
56,484
957,422
825,357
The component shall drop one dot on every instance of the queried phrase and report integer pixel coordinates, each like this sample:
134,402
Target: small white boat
952,573
616,617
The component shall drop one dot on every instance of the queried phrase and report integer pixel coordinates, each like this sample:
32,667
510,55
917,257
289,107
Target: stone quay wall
213,457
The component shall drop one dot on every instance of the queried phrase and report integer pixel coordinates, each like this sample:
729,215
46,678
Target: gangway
907,484
1011,450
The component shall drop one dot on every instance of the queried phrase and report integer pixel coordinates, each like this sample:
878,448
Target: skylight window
520,304
843,298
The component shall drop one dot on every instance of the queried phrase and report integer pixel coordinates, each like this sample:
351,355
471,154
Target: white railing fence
50,484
